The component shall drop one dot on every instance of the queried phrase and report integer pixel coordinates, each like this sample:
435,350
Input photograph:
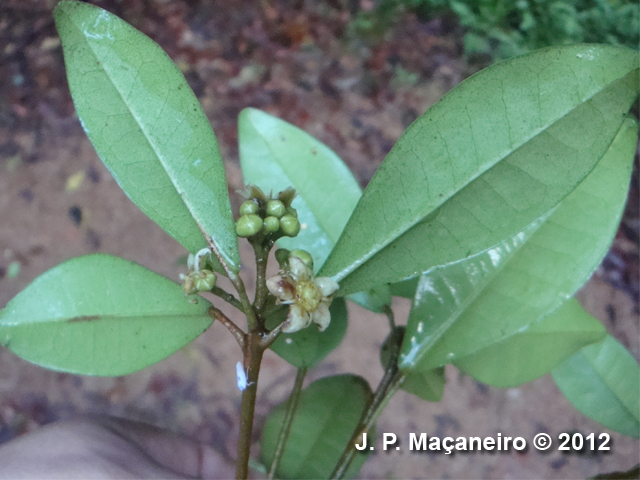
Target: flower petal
279,286
298,270
327,285
297,319
322,316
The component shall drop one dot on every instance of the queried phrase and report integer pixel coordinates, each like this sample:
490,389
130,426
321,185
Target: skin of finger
77,449
176,453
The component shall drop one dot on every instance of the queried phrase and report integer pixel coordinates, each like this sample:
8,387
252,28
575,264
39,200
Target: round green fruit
248,207
248,225
290,225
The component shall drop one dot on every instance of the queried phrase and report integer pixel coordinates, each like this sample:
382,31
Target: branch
227,297
294,398
232,327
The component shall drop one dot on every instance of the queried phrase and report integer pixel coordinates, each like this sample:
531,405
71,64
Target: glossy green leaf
147,127
603,382
100,315
406,288
376,299
275,155
327,415
497,152
468,306
308,346
535,350
427,385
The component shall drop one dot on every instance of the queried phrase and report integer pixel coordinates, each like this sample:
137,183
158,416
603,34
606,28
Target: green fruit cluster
271,216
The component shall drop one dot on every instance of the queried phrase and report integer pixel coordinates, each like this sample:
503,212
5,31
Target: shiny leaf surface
147,127
603,382
536,349
497,152
327,415
100,315
465,307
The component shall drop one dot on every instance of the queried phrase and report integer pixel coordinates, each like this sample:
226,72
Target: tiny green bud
290,225
282,256
248,207
204,280
275,208
248,225
188,286
271,224
304,256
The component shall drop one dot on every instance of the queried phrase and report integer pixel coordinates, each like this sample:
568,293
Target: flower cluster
271,216
309,298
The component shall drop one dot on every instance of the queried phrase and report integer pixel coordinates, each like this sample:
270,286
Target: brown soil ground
293,60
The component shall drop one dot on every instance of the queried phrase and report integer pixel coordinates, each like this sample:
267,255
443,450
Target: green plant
491,210
504,28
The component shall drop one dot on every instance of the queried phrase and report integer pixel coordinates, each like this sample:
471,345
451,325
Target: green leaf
327,415
470,305
603,382
406,288
147,127
308,346
275,155
427,385
100,315
375,299
497,152
535,350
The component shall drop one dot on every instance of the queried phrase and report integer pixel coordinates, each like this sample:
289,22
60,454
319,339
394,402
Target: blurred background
353,73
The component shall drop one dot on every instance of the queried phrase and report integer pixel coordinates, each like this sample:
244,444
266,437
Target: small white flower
309,298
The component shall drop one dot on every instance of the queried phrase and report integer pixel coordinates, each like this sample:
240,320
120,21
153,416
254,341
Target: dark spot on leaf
314,151
84,318
75,214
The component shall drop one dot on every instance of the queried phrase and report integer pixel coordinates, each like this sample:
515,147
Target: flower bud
275,208
282,256
290,225
271,224
248,225
204,280
188,286
304,256
248,207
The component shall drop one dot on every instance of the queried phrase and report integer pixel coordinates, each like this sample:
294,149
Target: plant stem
387,388
227,297
294,398
386,309
252,319
389,384
232,327
262,256
252,357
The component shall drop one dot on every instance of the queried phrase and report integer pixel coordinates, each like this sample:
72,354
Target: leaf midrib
341,275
